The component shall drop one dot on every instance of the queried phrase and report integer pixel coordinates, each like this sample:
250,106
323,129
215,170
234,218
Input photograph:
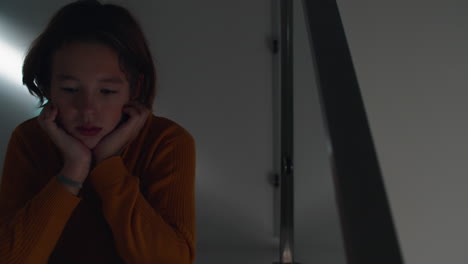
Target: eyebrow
112,80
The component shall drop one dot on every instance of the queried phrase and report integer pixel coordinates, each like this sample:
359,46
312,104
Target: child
96,177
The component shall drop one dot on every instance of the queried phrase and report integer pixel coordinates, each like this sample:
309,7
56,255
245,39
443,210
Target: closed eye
107,91
69,90
74,90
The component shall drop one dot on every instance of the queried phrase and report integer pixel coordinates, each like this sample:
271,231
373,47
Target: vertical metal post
287,172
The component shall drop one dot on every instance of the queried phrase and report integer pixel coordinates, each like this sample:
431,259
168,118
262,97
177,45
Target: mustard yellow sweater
136,208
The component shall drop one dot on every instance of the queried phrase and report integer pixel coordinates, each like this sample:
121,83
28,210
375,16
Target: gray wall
318,236
216,79
411,61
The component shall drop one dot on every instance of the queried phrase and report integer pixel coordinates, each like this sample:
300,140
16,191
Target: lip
88,131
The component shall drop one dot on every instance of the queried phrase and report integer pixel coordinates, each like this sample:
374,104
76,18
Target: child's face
89,89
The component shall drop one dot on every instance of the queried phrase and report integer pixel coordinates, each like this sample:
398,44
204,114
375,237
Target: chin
91,146
91,143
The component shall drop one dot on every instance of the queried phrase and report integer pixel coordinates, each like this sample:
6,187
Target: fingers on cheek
142,111
51,114
141,108
129,110
136,108
45,114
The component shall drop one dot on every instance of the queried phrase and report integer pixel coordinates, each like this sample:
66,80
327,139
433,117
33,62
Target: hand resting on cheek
75,154
135,115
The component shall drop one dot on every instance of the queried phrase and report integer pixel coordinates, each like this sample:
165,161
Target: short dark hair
91,21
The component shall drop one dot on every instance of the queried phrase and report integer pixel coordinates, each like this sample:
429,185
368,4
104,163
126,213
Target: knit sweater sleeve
158,226
31,220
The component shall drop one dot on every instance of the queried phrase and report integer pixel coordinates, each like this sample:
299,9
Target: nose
85,103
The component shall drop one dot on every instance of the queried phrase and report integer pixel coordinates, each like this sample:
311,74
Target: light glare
11,64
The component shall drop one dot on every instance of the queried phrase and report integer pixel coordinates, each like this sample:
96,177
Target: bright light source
12,52
11,63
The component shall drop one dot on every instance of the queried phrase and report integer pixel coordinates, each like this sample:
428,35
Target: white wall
411,60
